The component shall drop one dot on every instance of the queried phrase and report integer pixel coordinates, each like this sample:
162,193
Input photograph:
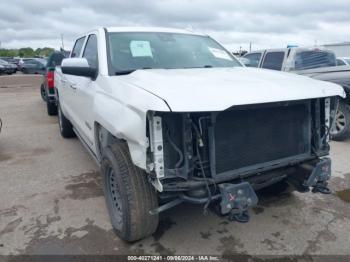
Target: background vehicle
11,61
162,110
7,67
313,62
339,75
47,88
343,61
2,69
291,59
32,66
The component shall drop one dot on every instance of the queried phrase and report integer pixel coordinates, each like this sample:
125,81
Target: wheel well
103,138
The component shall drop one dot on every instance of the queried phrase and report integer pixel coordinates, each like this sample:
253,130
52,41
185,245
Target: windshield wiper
205,66
124,72
129,71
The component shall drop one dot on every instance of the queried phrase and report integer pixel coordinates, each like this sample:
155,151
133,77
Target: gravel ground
52,201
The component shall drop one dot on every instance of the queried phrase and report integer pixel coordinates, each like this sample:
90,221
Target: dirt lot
52,201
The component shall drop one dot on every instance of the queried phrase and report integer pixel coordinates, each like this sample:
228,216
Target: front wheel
129,195
341,127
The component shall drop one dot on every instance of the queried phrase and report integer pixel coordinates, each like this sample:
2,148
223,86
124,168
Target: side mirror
78,67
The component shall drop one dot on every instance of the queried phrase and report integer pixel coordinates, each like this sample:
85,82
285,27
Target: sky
235,24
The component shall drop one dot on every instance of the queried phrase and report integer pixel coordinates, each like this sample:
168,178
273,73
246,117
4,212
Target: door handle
73,86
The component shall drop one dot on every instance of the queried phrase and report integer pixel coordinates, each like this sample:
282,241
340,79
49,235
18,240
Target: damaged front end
203,157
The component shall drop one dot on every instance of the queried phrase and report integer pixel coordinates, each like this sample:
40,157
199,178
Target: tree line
26,52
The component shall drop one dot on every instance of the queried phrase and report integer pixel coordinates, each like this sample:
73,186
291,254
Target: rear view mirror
78,67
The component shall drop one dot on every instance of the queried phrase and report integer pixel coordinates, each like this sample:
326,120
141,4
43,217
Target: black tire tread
43,92
140,196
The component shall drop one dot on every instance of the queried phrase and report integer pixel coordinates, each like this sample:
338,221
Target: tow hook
236,199
321,188
319,176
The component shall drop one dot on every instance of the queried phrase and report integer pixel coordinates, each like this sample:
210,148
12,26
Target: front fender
122,111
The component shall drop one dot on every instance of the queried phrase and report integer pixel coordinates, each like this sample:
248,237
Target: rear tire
341,128
66,128
129,195
43,93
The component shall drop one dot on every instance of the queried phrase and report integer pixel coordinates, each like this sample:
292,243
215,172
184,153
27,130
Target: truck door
68,92
85,91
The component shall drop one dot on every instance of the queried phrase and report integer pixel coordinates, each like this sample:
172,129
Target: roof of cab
152,29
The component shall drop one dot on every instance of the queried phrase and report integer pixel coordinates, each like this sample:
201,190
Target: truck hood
216,89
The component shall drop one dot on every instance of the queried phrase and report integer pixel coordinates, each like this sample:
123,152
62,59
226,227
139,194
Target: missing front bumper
235,197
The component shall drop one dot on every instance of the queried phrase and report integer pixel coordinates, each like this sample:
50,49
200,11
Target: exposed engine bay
193,156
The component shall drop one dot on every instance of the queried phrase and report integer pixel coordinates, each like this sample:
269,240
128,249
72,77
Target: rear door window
254,59
31,62
90,52
314,59
77,47
273,60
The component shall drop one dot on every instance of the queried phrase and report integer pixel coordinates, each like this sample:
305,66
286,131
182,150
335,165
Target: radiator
260,134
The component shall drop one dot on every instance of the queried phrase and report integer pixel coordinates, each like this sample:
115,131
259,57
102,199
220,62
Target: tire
43,92
66,128
341,128
129,195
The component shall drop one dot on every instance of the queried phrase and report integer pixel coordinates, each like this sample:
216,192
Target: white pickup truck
171,116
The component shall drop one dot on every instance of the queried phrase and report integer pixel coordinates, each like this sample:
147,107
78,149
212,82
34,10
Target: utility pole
62,43
250,47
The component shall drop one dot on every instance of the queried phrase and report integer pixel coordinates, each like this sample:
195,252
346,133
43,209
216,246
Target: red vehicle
47,88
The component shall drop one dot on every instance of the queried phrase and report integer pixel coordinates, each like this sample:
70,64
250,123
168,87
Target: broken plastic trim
156,146
320,173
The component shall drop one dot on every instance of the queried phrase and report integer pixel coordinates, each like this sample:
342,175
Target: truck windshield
139,50
314,59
